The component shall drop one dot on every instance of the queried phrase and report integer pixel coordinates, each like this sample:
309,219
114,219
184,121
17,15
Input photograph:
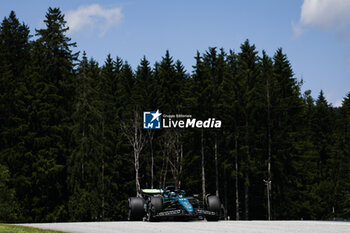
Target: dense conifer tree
84,163
248,74
15,158
53,92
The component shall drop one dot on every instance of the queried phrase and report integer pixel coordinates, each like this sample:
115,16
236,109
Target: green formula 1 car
171,203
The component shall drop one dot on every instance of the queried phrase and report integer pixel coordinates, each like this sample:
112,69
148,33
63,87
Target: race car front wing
184,213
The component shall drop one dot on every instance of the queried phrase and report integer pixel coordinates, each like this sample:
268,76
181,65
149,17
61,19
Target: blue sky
313,33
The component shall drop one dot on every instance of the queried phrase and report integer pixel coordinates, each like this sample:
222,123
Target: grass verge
5,228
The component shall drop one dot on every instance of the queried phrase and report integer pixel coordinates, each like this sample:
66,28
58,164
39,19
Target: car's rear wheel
157,203
136,209
154,207
214,205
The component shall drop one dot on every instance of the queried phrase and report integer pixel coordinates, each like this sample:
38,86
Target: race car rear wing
151,191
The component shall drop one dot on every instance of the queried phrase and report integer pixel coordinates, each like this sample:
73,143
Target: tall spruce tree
200,94
286,115
231,119
269,82
85,161
14,107
323,126
53,91
110,160
342,197
248,74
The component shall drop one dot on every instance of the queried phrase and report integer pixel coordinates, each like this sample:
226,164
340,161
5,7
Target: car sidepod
186,204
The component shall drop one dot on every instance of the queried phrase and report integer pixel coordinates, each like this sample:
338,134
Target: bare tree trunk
180,169
246,198
166,171
103,187
203,169
225,194
268,199
161,171
216,166
268,186
175,156
137,167
134,135
137,161
236,183
177,163
167,144
83,152
82,144
102,177
150,136
246,182
152,167
179,156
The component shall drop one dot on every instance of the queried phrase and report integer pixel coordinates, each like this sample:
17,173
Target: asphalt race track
200,226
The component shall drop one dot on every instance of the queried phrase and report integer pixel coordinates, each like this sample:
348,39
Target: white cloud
93,17
327,15
331,16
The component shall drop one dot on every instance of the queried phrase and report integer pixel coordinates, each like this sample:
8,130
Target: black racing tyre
155,206
136,209
157,203
214,205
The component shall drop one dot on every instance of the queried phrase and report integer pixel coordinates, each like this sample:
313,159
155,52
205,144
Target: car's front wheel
214,205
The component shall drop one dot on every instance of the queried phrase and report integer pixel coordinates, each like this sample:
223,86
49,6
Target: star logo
156,115
151,120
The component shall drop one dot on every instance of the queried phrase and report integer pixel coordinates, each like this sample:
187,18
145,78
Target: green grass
5,228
